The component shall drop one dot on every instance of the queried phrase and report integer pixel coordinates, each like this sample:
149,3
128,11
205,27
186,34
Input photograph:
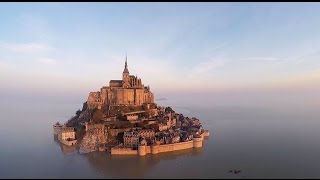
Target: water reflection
133,166
64,148
127,166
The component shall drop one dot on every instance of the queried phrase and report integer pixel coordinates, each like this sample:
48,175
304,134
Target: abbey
128,91
122,119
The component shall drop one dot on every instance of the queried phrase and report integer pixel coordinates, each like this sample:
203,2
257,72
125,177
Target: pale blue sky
195,47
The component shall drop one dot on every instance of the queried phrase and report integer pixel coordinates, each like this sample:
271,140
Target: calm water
263,142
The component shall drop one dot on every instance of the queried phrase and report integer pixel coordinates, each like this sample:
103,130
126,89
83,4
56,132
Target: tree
168,109
78,112
85,105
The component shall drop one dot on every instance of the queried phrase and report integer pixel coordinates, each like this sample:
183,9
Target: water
263,142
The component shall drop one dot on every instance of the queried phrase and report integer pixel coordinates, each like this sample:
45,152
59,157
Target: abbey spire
126,67
125,75
127,91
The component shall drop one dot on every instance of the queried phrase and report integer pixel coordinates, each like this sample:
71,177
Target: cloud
206,67
28,48
309,56
161,99
263,58
218,47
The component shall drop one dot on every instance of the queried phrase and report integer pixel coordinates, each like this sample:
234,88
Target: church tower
125,75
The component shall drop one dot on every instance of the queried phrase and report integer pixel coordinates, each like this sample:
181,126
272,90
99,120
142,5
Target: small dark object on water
235,171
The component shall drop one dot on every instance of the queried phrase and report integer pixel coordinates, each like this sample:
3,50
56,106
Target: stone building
159,126
146,133
132,117
131,139
128,91
57,127
67,134
170,119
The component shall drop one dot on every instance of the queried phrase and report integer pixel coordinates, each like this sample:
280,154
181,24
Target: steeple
126,67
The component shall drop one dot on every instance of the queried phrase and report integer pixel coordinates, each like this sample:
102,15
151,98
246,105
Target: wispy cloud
28,48
161,99
218,47
307,56
206,67
262,59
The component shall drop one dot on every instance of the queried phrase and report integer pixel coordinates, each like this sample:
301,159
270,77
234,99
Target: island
122,118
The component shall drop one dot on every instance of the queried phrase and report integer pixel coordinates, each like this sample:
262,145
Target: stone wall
57,129
68,135
123,151
69,143
175,147
155,149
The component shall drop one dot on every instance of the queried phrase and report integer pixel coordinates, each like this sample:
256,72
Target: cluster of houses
168,129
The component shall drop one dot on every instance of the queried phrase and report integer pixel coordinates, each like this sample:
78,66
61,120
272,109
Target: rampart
155,149
123,151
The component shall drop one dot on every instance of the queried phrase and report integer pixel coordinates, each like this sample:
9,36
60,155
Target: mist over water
266,135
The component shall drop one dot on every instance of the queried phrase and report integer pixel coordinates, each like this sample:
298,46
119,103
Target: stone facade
155,149
146,133
160,126
67,136
131,139
57,128
128,91
67,133
132,117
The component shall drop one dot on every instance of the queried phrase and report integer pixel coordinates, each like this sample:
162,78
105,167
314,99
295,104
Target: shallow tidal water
262,142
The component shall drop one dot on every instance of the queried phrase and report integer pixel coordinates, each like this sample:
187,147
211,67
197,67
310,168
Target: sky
70,49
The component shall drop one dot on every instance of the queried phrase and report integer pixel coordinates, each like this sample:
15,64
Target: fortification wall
123,151
155,149
148,149
175,146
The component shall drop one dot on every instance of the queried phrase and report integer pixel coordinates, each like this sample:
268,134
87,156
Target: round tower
142,150
197,142
154,149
